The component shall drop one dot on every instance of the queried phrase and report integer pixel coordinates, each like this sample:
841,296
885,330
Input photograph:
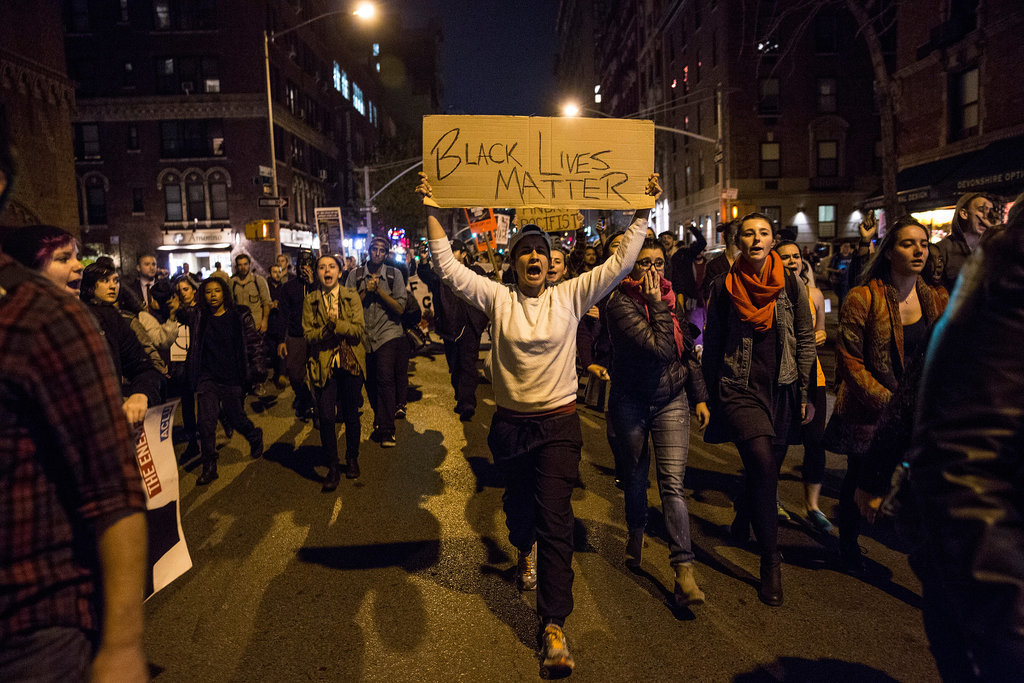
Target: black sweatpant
343,390
539,458
213,397
462,355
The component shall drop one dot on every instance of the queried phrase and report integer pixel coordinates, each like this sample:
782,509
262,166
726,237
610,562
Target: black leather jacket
645,361
968,469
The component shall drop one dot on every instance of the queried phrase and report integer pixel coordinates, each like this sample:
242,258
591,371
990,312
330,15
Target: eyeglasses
647,263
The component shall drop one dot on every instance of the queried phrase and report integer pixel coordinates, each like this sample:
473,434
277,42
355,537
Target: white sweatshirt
533,348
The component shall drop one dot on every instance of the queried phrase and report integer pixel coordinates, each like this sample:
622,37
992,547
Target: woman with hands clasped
535,435
758,356
333,326
653,368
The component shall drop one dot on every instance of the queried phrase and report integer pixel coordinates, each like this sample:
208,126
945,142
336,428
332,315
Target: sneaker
555,659
526,569
400,413
819,521
209,474
376,434
783,515
388,441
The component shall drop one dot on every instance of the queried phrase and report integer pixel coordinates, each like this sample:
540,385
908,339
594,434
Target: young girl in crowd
813,431
535,435
881,324
225,360
332,324
758,356
653,367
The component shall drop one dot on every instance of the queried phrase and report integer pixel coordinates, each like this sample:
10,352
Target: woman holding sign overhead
535,436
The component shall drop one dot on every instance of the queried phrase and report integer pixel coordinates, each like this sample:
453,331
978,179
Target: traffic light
259,230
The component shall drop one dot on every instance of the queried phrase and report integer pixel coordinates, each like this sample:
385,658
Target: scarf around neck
753,294
631,288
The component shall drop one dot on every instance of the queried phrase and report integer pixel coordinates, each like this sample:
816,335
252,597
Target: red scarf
754,294
631,288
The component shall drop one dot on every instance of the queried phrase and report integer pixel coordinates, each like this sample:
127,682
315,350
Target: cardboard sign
154,454
548,220
539,162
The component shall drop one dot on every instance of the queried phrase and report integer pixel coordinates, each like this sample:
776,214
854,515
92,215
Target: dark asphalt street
405,574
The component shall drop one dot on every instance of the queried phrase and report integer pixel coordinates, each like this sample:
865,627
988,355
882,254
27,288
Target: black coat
967,472
645,361
134,367
249,348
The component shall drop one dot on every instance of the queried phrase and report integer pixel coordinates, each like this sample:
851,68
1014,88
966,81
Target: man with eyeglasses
382,290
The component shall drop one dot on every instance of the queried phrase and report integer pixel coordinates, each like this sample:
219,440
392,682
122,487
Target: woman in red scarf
653,369
758,356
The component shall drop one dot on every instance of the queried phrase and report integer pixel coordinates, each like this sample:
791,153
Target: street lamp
365,11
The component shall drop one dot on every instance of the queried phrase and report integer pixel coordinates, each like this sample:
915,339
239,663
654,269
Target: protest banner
154,453
329,230
538,162
548,220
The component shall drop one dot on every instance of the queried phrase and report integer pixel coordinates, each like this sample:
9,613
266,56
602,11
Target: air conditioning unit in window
323,174
188,87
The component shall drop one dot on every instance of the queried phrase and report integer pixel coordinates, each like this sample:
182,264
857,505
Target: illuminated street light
365,11
570,109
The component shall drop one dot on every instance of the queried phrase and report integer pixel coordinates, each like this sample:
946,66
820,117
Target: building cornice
158,108
36,80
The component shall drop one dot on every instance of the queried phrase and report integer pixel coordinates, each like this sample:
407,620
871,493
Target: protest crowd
650,329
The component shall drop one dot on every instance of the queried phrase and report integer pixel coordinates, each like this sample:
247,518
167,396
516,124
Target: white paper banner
154,452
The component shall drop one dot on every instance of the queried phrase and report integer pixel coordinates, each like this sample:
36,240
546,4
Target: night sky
498,57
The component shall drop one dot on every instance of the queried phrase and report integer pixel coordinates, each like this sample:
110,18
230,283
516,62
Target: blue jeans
668,425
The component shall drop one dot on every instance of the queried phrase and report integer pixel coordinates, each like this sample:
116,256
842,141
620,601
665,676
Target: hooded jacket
954,248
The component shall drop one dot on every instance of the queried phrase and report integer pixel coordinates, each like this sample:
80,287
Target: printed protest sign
548,220
538,162
329,229
154,453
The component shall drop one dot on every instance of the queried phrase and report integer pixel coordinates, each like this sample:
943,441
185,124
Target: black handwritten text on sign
538,162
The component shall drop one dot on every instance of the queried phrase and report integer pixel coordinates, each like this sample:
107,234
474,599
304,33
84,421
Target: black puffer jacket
645,360
133,364
968,470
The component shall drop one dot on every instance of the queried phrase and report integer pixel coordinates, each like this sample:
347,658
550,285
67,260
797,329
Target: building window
124,11
138,205
195,194
133,137
774,213
826,95
770,161
218,200
964,100
291,97
128,75
177,75
768,100
337,77
826,41
172,200
357,99
191,138
344,85
828,159
87,141
78,16
697,14
183,15
87,81
826,220
96,204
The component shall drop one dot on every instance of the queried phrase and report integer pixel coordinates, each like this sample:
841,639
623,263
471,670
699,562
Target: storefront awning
997,168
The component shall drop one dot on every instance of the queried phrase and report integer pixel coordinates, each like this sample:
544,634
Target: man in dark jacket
291,345
971,218
688,274
460,326
966,472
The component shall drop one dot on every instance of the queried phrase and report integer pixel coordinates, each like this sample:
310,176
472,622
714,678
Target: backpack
411,315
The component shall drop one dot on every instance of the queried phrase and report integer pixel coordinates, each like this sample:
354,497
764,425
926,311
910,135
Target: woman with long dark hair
225,361
758,355
183,310
813,431
882,323
653,369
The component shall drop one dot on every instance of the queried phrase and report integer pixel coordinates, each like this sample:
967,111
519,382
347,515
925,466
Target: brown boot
686,591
